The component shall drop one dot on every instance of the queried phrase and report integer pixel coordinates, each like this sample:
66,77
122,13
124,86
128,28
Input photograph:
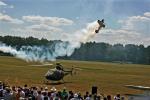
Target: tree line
91,51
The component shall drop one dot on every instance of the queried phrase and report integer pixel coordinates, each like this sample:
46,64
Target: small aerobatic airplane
144,96
101,25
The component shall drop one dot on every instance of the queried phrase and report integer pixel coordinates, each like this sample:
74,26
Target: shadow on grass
56,83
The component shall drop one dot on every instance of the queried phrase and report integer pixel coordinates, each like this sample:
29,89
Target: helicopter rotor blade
42,65
48,64
77,68
87,68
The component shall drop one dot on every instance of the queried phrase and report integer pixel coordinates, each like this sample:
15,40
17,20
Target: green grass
109,77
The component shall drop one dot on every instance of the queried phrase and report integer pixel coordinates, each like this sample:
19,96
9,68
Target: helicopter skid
53,82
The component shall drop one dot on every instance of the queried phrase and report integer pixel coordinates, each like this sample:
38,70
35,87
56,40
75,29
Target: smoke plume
51,52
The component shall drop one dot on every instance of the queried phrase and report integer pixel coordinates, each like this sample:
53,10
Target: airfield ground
109,77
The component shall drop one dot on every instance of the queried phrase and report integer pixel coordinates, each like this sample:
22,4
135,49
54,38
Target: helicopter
58,73
101,25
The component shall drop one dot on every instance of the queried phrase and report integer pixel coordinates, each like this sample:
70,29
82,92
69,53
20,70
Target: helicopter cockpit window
49,73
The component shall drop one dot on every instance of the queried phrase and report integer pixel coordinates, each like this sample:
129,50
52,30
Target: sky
127,21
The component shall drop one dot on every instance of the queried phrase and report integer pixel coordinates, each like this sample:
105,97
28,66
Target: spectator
75,97
108,97
105,98
22,93
32,96
14,92
95,96
64,94
18,94
70,96
122,98
53,92
26,90
33,93
86,95
98,97
45,96
117,97
1,86
80,97
8,95
40,96
1,90
57,97
46,90
1,94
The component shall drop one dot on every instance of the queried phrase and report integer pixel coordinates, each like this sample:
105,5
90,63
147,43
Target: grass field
109,77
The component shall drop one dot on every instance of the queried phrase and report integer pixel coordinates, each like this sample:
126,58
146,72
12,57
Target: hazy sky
127,21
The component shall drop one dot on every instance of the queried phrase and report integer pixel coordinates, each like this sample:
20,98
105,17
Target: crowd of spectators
36,93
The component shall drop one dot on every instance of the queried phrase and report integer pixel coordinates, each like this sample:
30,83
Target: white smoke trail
13,51
51,52
85,34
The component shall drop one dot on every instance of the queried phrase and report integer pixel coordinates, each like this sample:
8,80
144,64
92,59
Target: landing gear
45,82
96,31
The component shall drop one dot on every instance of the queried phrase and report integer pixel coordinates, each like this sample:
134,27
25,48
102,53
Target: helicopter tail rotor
75,69
72,71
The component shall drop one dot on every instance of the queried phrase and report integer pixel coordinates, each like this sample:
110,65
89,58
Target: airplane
101,25
144,96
